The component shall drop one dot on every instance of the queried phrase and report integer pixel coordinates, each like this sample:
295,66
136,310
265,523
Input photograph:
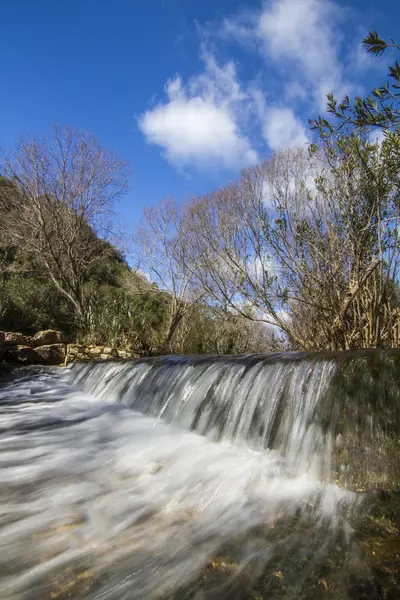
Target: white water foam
139,506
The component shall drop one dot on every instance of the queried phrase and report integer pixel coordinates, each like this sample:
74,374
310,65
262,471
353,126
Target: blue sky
187,91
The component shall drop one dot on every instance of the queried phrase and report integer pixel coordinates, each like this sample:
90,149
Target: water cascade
196,477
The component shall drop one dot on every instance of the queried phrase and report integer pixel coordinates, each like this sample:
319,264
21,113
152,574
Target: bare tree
232,229
311,247
162,245
65,189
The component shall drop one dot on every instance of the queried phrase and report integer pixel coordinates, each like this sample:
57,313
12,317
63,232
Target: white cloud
301,38
295,91
201,122
282,129
215,120
302,31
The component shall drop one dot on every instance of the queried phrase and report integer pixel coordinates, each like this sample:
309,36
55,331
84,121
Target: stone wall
51,347
81,353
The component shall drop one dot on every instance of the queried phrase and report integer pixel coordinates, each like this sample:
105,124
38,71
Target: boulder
12,338
49,337
52,354
22,354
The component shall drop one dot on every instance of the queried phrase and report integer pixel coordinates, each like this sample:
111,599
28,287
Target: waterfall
190,477
259,402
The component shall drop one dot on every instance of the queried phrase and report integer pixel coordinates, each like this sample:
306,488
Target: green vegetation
381,109
122,308
58,271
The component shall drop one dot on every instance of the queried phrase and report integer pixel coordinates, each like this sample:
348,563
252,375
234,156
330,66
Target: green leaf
374,44
394,72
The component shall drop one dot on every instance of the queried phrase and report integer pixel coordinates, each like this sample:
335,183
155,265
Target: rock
12,338
22,354
52,354
111,352
80,353
126,354
49,337
77,353
96,351
76,349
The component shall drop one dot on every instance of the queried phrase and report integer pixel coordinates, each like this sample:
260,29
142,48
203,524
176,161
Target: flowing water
172,478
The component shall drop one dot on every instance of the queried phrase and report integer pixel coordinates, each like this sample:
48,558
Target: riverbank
52,347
